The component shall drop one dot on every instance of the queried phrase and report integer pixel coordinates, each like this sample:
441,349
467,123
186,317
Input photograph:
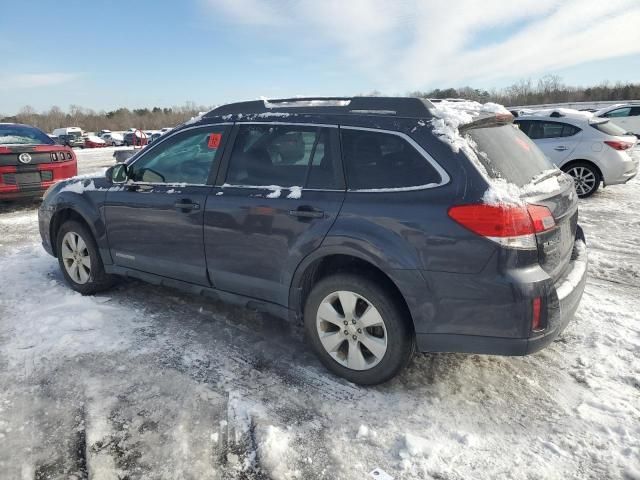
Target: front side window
378,160
618,112
284,155
185,158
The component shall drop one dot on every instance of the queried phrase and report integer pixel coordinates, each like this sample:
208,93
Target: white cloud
408,44
35,80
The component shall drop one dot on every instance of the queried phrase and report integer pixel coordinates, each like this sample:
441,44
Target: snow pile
275,191
274,447
450,116
80,187
295,192
563,112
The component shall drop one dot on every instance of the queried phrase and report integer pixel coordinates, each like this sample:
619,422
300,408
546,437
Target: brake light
513,226
4,150
536,320
618,145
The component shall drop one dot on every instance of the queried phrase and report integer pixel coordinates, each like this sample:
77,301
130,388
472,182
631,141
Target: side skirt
215,294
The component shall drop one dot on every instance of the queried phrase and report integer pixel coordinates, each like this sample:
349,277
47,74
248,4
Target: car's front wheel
358,329
79,259
586,178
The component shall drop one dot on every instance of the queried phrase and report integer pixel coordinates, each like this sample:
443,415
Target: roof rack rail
398,106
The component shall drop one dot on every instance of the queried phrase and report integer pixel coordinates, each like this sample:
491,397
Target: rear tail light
4,150
619,145
536,314
513,226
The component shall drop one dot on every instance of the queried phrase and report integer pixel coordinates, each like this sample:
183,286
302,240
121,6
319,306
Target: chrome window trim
161,141
444,176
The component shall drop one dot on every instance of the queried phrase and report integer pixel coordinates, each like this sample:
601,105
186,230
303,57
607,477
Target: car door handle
186,205
561,148
303,212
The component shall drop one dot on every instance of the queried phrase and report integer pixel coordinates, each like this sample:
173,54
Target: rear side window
507,153
378,160
284,155
538,130
635,111
609,128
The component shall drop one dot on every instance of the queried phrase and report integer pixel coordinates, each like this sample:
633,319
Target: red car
30,161
94,142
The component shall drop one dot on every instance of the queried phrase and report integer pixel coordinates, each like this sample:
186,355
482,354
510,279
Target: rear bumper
621,172
49,174
561,300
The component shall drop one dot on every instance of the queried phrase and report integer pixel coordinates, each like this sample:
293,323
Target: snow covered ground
146,382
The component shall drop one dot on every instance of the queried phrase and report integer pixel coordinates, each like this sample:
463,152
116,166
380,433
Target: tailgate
555,246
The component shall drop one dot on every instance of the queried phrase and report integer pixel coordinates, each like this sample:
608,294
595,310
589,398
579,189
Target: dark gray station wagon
349,214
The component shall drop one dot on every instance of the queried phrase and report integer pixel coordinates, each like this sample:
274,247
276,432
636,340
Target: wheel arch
570,163
321,264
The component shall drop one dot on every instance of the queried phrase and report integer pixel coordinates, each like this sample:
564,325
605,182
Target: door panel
254,243
158,229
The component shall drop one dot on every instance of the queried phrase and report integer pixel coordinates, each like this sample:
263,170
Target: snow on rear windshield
22,135
507,153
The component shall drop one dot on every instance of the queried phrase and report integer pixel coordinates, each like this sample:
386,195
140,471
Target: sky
106,55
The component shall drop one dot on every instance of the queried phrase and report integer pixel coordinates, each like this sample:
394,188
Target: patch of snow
295,192
275,192
80,187
564,112
415,446
274,448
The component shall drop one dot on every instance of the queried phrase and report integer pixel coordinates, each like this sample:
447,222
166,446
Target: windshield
609,128
507,153
23,135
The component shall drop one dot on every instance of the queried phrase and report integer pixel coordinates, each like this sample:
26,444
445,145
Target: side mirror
118,173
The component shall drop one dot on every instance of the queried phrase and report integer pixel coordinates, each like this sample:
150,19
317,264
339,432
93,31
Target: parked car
135,139
592,150
626,116
70,140
164,130
154,137
380,240
113,139
93,141
30,161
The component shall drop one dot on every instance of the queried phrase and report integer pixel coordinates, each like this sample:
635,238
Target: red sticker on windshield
214,140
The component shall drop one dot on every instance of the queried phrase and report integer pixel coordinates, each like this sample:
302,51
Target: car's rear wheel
79,259
586,177
357,329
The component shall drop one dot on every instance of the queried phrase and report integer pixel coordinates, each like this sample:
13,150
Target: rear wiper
542,178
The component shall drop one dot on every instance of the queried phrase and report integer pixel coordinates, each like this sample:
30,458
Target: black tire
588,171
98,280
399,334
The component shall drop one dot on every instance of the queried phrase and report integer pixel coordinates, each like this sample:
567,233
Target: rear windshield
23,135
507,153
609,128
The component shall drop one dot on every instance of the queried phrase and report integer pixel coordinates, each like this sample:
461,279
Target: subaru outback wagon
349,214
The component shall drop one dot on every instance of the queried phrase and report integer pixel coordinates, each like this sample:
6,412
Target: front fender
85,198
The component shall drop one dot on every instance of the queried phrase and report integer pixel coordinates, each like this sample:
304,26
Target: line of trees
120,119
548,89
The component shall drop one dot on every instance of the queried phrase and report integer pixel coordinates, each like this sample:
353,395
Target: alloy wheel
76,258
584,179
351,330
